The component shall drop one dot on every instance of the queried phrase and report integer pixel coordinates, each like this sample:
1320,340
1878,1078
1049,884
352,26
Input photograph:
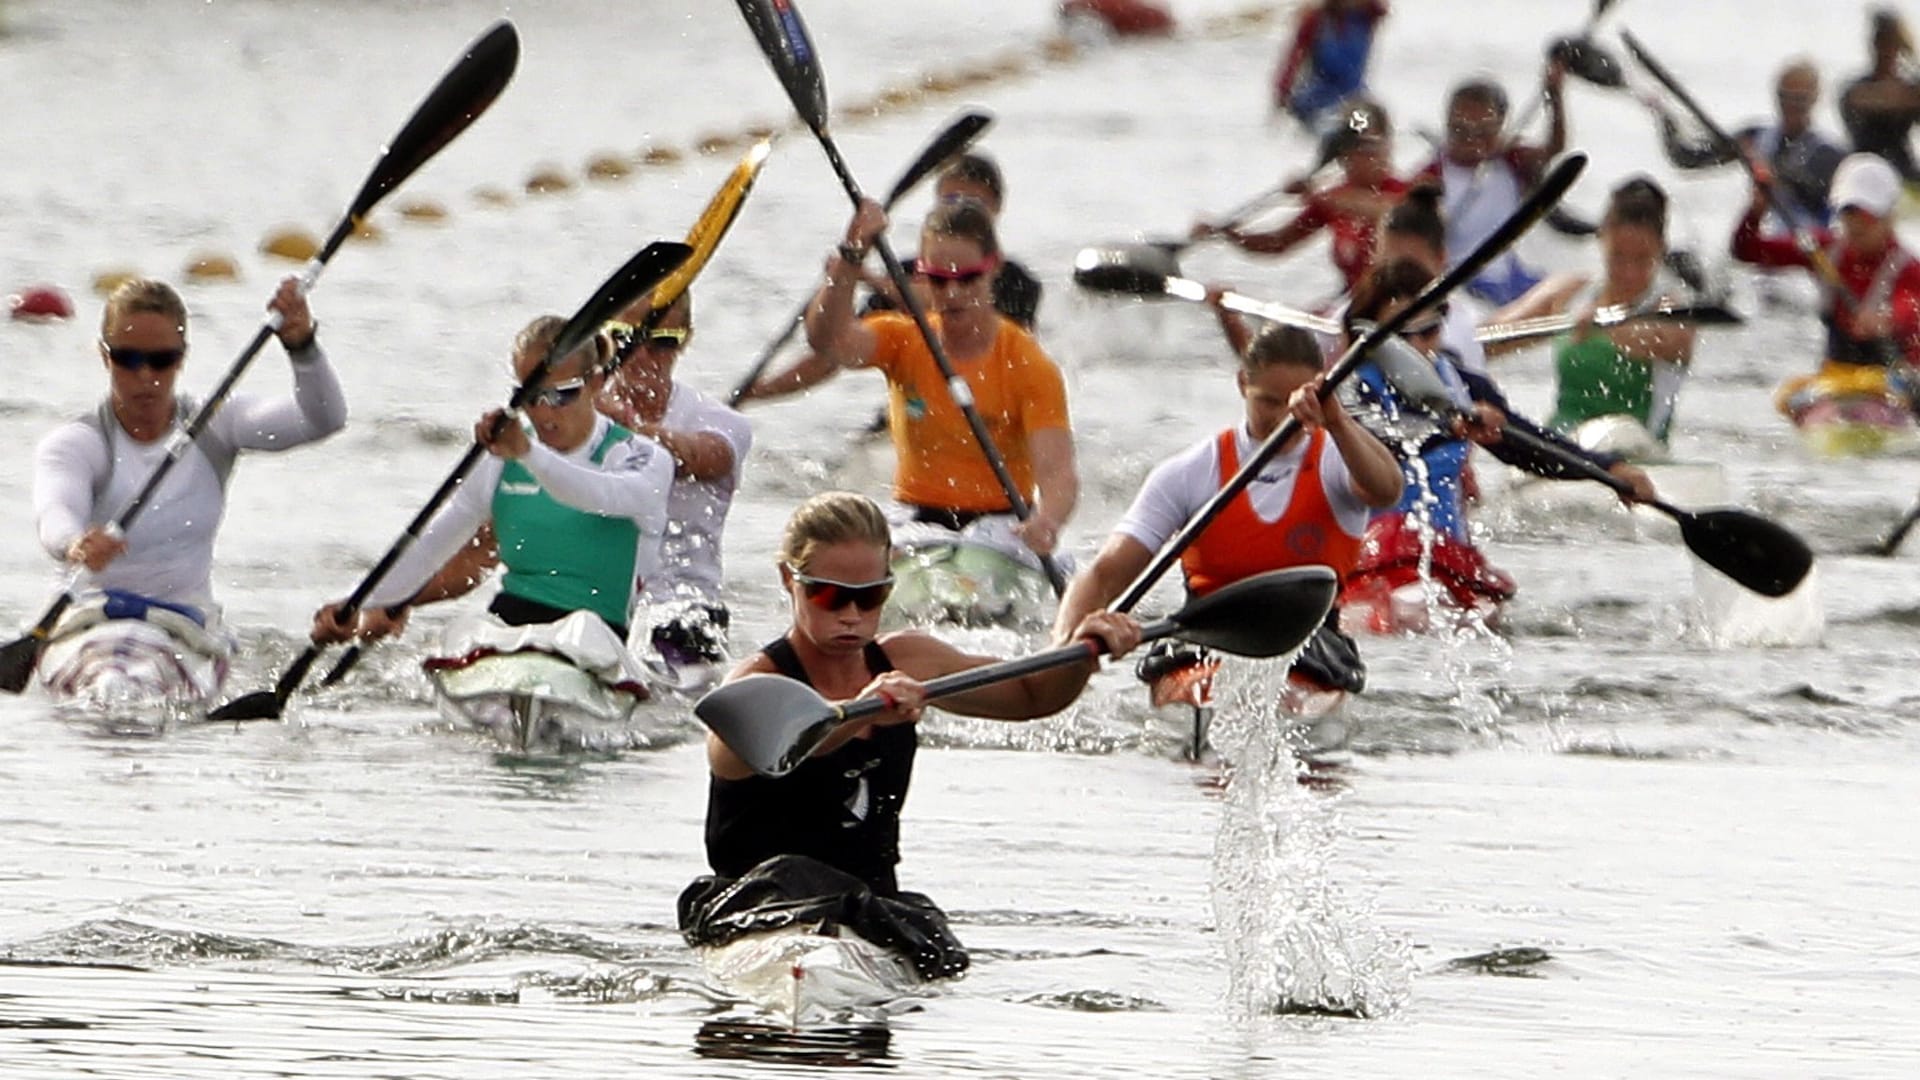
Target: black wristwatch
854,255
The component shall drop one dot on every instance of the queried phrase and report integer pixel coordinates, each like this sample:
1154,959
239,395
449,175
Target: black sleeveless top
842,808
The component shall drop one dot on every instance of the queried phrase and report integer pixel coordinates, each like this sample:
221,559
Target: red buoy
41,302
1126,18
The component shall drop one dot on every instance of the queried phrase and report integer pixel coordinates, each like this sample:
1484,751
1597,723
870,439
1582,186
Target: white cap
1865,182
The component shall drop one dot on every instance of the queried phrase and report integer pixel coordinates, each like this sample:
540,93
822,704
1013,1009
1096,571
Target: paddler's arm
1030,697
1121,560
1749,246
1549,297
1239,336
1377,479
833,330
1058,484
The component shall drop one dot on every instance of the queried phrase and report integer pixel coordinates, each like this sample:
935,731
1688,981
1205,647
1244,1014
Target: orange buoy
106,281
1126,18
212,266
608,167
548,180
428,210
291,244
41,303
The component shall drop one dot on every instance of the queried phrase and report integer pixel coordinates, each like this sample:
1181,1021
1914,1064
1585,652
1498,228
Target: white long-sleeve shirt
631,480
84,476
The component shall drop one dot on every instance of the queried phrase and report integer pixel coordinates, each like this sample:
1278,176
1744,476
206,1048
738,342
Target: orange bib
1238,544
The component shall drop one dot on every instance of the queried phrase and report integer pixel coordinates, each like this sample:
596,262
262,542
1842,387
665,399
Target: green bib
561,557
1595,380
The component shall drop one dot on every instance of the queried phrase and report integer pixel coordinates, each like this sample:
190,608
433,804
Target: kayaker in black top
1881,107
843,805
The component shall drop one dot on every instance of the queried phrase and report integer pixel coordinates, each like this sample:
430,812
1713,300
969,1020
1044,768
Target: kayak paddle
782,36
1699,312
462,94
952,140
1891,542
773,723
1146,270
644,271
1759,554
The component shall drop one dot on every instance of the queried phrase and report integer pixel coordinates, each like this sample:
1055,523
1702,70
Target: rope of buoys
1123,18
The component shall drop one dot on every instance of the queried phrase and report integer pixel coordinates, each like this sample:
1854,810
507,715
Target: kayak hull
133,668
569,685
807,975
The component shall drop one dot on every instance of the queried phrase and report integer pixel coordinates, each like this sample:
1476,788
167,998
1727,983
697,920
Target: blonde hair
540,335
832,517
144,296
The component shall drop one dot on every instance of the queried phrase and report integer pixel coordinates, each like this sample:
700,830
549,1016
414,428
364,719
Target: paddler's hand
906,698
1637,479
96,548
1872,323
1039,533
1305,405
296,319
1118,631
329,628
511,442
868,222
1482,425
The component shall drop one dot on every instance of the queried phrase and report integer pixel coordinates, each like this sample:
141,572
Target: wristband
854,255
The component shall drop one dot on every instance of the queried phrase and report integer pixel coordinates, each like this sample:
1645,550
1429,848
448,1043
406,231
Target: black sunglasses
829,595
132,359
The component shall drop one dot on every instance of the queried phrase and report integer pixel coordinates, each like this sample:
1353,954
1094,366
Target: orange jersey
1016,388
1238,544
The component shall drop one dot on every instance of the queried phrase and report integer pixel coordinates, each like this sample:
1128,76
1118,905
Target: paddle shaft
956,386
1533,104
1535,206
1549,325
1816,258
1891,544
951,141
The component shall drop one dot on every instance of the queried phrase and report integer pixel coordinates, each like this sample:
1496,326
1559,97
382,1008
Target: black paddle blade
945,146
463,93
769,721
1588,60
259,705
1759,554
1269,614
17,661
1132,269
777,26
648,267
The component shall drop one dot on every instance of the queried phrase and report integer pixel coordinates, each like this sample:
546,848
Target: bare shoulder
757,664
923,656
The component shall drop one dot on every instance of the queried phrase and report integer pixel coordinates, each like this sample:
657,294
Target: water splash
1294,942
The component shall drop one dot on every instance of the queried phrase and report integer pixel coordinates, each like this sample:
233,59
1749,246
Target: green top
563,557
1596,379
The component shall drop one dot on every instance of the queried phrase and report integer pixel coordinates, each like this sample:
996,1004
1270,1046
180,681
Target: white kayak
982,575
149,669
1680,483
806,975
561,686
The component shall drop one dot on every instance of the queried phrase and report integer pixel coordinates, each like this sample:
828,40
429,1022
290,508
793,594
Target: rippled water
1650,828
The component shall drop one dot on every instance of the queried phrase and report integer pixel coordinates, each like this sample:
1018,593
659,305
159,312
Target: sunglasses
958,275
830,595
132,359
628,340
559,395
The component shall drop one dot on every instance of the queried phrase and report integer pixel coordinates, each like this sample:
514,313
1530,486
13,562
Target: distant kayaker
1873,321
842,806
1349,210
573,504
1485,175
941,474
1635,368
1016,292
1326,61
1801,158
88,469
708,442
1308,506
1881,107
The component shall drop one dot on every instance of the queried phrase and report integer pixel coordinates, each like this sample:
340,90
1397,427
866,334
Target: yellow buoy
492,195
367,232
898,96
548,180
106,281
1059,50
608,166
423,210
759,131
212,266
661,155
940,82
714,144
291,244
1012,64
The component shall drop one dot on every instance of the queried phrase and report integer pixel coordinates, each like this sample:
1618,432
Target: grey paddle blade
771,722
1759,554
1269,614
1133,269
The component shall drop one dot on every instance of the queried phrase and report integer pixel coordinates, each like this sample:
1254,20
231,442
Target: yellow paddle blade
713,223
